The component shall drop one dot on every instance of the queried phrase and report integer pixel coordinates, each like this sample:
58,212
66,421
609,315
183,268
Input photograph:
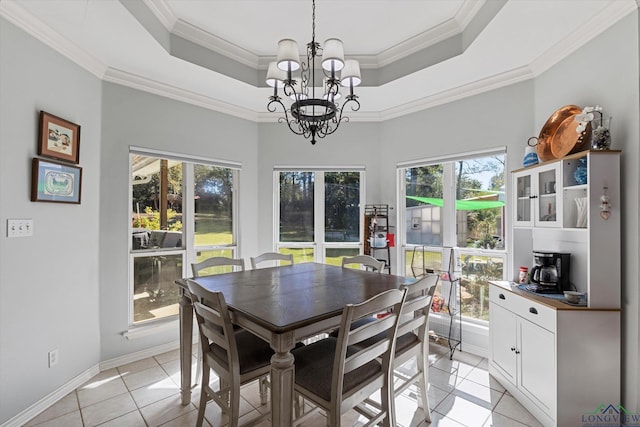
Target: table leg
186,333
282,380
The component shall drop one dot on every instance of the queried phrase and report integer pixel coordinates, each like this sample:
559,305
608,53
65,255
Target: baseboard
475,337
53,397
138,355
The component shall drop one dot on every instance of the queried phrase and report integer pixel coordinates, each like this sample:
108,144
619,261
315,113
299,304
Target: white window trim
188,252
475,332
319,246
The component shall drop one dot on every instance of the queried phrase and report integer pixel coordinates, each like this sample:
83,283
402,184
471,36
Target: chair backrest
217,261
214,325
364,260
415,314
270,256
368,350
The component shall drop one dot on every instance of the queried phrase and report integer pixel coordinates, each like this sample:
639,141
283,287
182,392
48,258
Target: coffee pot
551,272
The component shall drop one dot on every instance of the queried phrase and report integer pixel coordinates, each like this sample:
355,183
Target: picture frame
55,182
58,138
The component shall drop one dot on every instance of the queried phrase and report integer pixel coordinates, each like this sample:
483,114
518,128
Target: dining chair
366,261
208,266
413,340
336,376
235,355
271,256
217,261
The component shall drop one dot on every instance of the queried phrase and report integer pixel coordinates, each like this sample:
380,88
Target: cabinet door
502,341
537,364
536,199
548,209
523,210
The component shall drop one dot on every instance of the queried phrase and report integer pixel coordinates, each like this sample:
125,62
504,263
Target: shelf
376,226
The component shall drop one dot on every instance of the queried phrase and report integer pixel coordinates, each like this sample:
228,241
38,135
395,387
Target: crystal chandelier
309,115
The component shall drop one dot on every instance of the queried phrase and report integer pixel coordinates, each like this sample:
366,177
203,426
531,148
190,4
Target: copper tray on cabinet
561,120
566,140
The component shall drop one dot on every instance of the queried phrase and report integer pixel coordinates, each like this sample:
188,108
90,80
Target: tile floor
146,393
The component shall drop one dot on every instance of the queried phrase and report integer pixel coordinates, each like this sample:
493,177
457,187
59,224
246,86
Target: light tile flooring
146,393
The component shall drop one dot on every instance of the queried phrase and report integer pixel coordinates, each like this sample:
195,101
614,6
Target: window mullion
188,212
449,237
318,216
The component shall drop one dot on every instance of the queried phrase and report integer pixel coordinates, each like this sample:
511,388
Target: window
183,211
457,202
318,214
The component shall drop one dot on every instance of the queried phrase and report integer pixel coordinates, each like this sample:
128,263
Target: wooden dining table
282,305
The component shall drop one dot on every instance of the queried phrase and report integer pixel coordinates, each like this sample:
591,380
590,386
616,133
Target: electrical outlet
19,227
53,357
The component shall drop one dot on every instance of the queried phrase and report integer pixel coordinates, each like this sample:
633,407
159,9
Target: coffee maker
550,275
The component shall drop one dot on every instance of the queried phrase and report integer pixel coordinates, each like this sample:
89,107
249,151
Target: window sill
136,332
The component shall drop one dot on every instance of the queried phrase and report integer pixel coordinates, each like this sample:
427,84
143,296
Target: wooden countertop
549,302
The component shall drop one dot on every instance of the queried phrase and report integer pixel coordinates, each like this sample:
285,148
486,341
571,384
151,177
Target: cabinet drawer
527,309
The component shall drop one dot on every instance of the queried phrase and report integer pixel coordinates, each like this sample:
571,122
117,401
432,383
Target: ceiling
414,53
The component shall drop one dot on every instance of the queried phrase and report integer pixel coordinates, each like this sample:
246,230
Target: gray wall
135,118
354,144
48,282
66,287
606,72
500,118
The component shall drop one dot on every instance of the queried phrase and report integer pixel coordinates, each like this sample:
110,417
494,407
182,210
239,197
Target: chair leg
298,405
234,404
423,387
203,398
387,405
264,390
198,365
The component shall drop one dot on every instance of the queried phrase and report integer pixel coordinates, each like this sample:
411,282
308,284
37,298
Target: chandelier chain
313,21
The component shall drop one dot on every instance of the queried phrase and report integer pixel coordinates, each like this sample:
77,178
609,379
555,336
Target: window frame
188,250
319,245
449,238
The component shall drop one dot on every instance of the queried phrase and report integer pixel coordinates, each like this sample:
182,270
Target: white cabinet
559,361
556,208
537,201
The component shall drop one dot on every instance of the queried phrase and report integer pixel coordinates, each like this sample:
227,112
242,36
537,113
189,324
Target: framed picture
55,182
59,139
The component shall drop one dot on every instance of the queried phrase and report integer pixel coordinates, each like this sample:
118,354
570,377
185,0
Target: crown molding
474,88
134,81
419,42
216,44
588,31
468,11
14,13
450,28
162,11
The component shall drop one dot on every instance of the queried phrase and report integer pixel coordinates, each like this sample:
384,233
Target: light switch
19,227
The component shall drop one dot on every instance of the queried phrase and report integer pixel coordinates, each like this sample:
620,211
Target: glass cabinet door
536,199
547,206
524,202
